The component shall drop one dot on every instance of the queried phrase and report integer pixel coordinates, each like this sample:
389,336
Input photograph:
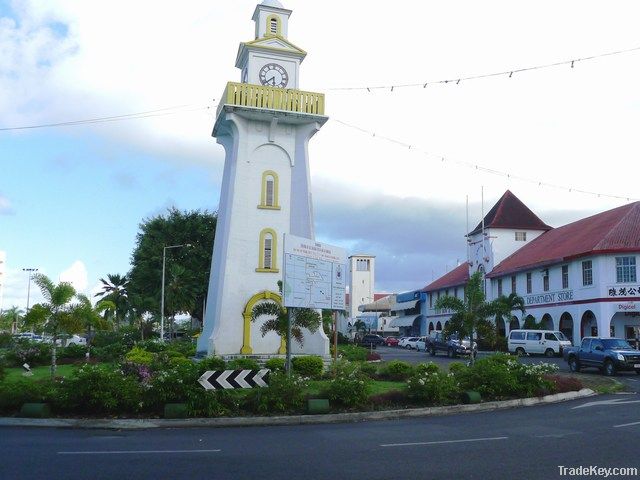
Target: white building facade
580,278
264,124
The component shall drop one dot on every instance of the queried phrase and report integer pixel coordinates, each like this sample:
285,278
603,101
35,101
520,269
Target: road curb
140,424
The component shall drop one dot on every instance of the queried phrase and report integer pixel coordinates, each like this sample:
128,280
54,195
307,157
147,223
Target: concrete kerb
140,424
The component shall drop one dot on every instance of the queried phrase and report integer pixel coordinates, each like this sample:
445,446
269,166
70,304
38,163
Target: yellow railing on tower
258,96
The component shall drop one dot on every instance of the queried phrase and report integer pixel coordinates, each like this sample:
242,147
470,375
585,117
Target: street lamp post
31,271
164,261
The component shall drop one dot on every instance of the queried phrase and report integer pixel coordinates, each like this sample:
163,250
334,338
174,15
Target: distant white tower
264,124
362,272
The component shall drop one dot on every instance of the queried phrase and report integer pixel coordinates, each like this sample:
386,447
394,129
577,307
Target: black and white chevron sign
228,379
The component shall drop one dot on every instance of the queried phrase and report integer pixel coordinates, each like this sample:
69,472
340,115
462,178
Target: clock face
273,75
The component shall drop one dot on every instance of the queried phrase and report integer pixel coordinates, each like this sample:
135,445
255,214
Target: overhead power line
464,78
478,167
115,118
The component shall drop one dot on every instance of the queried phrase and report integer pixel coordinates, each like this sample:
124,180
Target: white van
546,342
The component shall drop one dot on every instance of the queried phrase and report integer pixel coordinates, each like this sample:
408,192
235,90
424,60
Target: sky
72,197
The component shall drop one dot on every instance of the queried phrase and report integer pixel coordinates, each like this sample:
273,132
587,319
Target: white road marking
615,401
626,424
125,452
444,442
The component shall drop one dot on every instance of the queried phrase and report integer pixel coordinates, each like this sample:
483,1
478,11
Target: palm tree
472,314
11,319
114,290
92,317
180,294
58,314
278,320
509,304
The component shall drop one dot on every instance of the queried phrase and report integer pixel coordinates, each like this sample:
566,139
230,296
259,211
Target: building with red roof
580,278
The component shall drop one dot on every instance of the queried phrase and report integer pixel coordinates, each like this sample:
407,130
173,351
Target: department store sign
549,297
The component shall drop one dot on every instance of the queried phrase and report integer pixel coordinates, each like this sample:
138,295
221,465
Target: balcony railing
258,96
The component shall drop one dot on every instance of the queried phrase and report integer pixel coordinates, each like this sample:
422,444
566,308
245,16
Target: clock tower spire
270,59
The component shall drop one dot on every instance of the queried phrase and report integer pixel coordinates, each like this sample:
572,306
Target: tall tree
114,291
176,227
57,314
474,314
509,304
11,320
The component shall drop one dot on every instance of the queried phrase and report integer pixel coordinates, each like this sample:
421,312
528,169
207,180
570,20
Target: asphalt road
526,443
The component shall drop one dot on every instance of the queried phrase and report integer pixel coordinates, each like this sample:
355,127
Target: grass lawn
40,372
377,386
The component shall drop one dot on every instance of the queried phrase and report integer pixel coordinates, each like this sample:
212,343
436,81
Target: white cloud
5,206
76,275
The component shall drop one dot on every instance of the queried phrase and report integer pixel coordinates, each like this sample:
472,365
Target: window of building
529,287
363,265
267,258
431,300
545,280
625,269
455,292
273,25
513,284
521,236
499,287
269,194
587,273
565,276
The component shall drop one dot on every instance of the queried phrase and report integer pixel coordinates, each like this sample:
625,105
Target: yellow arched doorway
246,315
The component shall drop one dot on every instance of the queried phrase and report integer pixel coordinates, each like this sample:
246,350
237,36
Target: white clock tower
264,124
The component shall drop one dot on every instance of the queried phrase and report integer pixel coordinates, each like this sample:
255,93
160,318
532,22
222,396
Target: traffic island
141,424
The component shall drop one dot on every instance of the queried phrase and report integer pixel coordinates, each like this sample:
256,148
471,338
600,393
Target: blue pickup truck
608,354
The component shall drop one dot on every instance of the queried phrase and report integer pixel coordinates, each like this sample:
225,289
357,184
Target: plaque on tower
314,274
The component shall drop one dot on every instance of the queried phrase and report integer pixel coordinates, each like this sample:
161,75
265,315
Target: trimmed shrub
185,347
139,356
456,367
243,364
431,386
369,369
153,346
285,394
111,353
349,386
173,384
501,376
211,364
3,372
310,366
99,389
73,351
396,370
125,335
275,364
6,340
353,353
13,393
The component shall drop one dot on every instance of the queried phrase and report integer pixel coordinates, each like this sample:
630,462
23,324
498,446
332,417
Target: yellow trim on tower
274,251
263,194
246,315
268,32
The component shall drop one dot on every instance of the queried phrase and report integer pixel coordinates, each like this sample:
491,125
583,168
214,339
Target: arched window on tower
268,257
269,194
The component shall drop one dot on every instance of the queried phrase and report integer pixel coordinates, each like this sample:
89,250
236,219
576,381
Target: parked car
421,344
608,354
371,340
452,345
34,337
547,342
68,340
408,343
391,341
